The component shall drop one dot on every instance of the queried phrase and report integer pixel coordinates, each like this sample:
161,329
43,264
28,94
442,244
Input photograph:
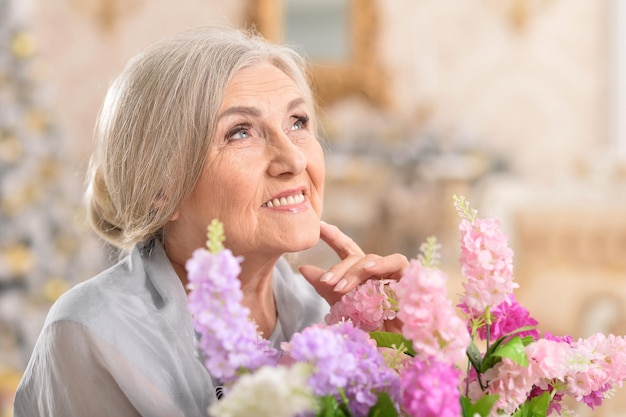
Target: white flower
269,392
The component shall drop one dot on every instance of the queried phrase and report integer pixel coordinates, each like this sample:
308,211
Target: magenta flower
228,338
566,339
506,317
431,389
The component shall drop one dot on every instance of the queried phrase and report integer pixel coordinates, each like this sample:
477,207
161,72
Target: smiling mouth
285,201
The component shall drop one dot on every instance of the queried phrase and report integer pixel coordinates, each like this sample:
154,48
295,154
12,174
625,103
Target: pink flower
487,263
515,383
598,364
549,359
512,382
367,306
586,369
429,318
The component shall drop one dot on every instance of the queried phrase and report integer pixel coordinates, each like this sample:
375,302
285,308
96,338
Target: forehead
260,80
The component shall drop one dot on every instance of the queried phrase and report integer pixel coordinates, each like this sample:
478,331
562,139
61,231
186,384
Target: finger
338,279
371,267
352,272
336,272
341,243
390,266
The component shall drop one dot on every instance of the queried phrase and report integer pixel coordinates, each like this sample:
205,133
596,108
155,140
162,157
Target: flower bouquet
351,367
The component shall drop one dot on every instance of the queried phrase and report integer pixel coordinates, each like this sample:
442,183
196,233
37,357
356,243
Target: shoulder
90,299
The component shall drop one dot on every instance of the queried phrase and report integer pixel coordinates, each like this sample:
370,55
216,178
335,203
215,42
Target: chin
304,245
300,240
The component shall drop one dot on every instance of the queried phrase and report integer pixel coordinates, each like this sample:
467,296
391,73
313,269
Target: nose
285,156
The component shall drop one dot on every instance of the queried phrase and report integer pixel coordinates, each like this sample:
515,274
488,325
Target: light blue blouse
123,343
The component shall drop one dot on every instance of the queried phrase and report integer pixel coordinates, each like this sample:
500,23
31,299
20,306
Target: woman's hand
354,268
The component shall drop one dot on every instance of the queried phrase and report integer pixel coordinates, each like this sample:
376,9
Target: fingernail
327,277
341,285
369,264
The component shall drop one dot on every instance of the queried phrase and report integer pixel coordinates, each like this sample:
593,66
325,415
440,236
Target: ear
175,216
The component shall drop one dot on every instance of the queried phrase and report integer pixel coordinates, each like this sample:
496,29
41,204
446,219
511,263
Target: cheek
317,167
233,187
211,193
317,173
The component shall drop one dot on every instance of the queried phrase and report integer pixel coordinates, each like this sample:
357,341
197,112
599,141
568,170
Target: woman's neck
256,286
258,296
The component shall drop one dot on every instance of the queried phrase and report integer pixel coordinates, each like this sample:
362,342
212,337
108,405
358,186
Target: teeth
283,201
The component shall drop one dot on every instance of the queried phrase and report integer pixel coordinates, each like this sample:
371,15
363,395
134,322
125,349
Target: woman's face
264,175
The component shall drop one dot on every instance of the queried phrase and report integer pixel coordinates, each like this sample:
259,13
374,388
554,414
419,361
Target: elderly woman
211,123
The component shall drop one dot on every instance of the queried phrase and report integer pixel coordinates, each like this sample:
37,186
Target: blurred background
519,105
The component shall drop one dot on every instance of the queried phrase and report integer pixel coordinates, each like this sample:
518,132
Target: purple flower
344,358
565,339
595,398
228,338
431,389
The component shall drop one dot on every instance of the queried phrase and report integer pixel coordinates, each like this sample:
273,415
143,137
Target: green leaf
330,407
392,340
514,350
535,407
344,408
384,407
474,356
519,330
489,360
482,407
502,348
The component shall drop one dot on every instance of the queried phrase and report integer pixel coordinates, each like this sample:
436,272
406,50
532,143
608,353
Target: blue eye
237,133
300,123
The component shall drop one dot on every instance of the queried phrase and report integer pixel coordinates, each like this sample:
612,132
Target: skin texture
265,148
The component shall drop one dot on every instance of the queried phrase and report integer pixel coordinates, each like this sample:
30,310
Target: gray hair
156,124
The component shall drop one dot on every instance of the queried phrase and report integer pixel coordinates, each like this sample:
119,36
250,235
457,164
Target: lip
299,194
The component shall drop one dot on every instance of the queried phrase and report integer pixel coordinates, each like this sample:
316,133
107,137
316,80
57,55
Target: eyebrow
253,111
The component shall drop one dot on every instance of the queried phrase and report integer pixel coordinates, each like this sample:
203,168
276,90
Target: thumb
313,275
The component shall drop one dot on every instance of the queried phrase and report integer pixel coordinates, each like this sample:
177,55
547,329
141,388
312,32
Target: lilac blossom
228,338
344,358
